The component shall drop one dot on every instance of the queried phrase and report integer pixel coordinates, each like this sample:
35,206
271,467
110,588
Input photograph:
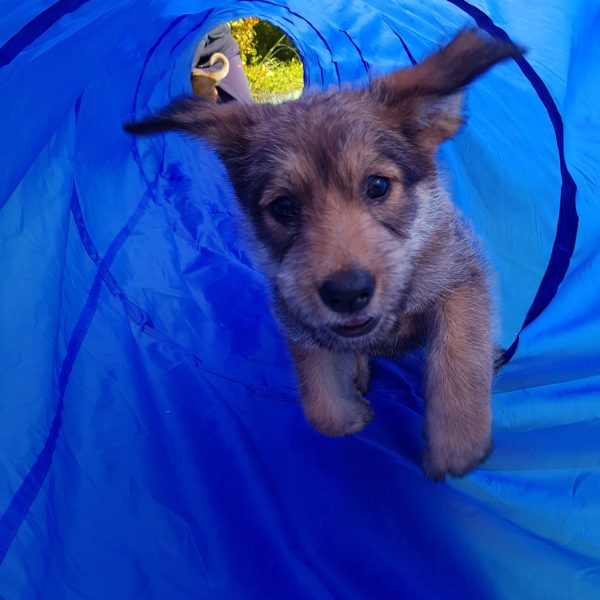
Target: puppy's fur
204,82
303,173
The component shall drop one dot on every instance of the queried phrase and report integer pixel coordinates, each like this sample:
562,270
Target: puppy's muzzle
348,291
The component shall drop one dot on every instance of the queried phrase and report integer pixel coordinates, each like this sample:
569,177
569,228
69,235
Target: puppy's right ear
228,127
426,99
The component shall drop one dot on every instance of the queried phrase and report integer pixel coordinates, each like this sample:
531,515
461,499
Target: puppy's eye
284,210
377,187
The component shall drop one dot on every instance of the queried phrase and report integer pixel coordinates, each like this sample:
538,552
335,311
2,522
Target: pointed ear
226,126
427,98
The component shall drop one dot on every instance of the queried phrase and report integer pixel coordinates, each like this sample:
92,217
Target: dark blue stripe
568,220
22,500
35,28
84,235
134,312
362,58
408,52
406,49
24,497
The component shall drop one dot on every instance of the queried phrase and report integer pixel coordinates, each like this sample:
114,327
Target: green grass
275,81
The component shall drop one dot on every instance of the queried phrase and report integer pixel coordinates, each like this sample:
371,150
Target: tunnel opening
247,60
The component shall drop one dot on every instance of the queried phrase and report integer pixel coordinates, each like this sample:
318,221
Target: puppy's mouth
356,327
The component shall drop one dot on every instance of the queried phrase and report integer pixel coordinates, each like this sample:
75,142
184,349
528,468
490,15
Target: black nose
348,291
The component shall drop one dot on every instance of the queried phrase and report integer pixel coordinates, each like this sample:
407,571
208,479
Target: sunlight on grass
276,81
271,62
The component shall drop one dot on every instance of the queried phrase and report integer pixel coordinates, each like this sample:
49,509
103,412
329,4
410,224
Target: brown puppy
365,252
204,82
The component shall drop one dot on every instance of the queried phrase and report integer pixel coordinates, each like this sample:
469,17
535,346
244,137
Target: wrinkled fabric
151,440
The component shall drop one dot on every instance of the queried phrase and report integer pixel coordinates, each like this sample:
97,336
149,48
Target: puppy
204,82
365,253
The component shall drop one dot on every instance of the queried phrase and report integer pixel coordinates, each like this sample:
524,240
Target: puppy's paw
343,417
455,453
360,415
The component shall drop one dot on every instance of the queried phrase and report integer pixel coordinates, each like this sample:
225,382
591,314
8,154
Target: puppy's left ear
426,100
228,127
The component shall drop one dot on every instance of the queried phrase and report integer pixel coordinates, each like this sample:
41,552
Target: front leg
332,402
458,383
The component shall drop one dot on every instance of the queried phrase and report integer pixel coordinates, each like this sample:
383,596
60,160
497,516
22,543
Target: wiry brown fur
430,285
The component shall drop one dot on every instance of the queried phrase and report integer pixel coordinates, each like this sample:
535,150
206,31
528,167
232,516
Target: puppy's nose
348,291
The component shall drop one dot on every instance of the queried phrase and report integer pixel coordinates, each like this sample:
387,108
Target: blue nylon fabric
151,440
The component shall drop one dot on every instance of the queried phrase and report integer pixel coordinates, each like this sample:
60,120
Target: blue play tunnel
151,441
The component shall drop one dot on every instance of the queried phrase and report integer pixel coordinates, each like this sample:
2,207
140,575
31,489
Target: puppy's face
337,204
340,187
